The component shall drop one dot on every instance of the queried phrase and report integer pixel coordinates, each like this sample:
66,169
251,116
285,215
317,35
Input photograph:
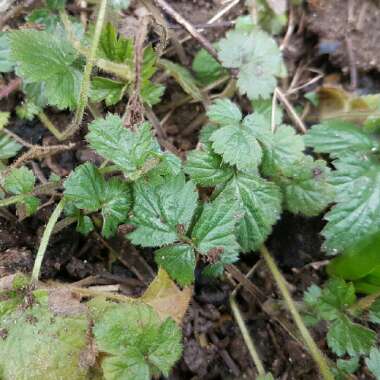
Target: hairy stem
90,61
11,200
45,240
309,341
247,337
50,126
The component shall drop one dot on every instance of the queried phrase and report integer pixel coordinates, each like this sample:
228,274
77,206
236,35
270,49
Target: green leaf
134,152
45,57
27,110
128,367
356,216
106,89
374,312
6,62
4,118
206,168
238,146
88,190
20,181
258,59
206,68
151,93
120,4
162,211
348,366
178,261
267,376
31,204
306,188
214,231
8,147
338,137
183,77
224,112
260,203
373,362
345,336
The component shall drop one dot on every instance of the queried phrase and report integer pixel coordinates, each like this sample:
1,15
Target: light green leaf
206,68
238,146
345,336
356,216
214,232
31,204
127,367
151,93
46,57
135,152
258,58
183,77
106,89
306,188
206,168
4,118
120,4
20,181
338,137
260,204
224,112
178,261
374,312
88,190
6,62
162,211
8,147
373,362
27,110
267,376
348,366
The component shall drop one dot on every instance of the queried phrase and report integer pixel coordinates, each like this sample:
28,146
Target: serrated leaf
267,376
179,261
20,181
183,77
206,68
258,58
151,93
128,367
214,231
106,89
338,137
373,362
345,336
162,211
27,110
306,188
260,203
356,216
348,366
134,152
88,190
8,147
224,112
206,168
4,118
48,58
238,147
6,62
374,312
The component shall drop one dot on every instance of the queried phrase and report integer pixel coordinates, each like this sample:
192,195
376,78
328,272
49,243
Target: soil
213,345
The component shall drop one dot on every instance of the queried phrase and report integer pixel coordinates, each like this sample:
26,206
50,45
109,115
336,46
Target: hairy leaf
162,211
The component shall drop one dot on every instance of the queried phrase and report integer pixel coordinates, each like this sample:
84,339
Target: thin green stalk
11,200
309,341
45,240
90,61
50,126
247,337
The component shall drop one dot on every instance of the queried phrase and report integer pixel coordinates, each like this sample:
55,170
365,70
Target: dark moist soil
213,345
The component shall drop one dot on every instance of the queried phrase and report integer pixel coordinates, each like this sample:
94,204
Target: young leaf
260,204
306,188
338,137
48,58
106,89
8,147
88,190
134,152
224,113
206,168
20,181
345,336
258,59
215,229
356,216
183,77
179,261
162,211
373,362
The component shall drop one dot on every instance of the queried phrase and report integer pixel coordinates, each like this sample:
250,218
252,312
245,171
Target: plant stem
50,126
364,303
309,341
90,61
11,200
45,240
247,337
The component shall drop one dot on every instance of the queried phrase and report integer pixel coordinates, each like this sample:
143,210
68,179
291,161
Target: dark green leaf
109,90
